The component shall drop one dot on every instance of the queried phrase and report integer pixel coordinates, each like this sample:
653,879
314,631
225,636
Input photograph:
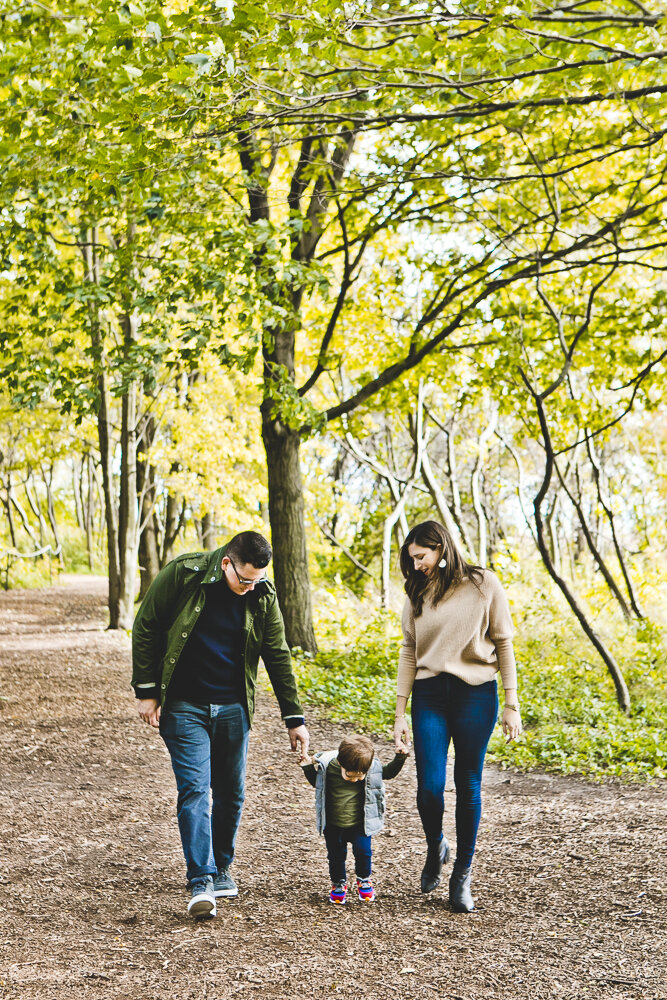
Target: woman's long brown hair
418,586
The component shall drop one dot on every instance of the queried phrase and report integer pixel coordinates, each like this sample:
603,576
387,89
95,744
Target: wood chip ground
570,878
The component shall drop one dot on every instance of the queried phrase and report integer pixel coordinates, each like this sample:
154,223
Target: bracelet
515,708
396,717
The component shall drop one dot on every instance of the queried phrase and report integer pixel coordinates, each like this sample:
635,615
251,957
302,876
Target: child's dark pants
337,838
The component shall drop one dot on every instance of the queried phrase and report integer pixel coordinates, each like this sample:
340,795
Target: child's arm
391,769
308,767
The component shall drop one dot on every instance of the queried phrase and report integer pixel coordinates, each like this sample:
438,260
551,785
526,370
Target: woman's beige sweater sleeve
501,631
407,660
506,663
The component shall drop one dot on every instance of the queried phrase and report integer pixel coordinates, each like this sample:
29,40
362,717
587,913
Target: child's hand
403,749
304,759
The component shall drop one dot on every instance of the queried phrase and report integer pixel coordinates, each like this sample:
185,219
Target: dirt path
570,879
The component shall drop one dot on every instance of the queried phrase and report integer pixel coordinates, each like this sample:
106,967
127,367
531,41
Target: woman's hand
401,734
512,726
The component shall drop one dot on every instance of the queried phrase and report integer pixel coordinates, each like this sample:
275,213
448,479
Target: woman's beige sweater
469,634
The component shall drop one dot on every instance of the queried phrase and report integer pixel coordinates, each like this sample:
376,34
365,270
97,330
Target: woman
457,633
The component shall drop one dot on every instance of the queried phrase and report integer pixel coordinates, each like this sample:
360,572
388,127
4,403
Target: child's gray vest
374,803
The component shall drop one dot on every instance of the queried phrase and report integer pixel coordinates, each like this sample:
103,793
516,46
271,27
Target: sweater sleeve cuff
147,691
294,721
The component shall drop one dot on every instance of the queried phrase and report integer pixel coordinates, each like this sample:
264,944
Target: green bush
571,718
355,679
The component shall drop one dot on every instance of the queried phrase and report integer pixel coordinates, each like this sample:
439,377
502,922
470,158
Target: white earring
442,563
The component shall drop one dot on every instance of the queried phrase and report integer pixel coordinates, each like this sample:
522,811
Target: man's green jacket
169,613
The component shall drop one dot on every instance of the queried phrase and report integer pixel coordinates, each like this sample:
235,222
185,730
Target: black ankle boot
437,855
460,896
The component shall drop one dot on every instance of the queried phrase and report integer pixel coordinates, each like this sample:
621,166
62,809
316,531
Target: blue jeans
337,838
445,708
208,745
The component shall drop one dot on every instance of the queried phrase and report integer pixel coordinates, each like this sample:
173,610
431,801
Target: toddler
350,806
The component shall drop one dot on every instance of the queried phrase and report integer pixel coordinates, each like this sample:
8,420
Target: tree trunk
89,510
475,483
128,520
457,510
288,536
149,549
33,503
399,508
282,444
208,535
104,426
51,512
622,693
106,453
20,511
174,519
149,556
149,553
606,506
440,501
77,491
552,527
593,548
6,501
520,483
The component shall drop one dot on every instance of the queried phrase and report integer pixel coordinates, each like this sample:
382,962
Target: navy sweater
210,669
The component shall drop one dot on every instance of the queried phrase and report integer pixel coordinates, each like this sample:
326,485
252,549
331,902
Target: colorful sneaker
338,892
202,899
365,890
224,884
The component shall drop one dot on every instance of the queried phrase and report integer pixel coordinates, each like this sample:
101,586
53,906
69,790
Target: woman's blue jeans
208,745
445,708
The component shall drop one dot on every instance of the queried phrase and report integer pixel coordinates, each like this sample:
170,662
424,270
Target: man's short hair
356,753
250,547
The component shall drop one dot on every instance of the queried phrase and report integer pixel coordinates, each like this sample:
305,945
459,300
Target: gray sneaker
224,884
202,899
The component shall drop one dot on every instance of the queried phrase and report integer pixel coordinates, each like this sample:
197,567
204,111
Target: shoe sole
337,902
218,893
368,898
201,906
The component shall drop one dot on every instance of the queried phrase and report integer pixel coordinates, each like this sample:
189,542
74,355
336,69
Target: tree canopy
334,201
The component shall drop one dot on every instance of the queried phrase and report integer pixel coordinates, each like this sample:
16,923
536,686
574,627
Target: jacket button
197,609
196,567
172,660
163,686
184,634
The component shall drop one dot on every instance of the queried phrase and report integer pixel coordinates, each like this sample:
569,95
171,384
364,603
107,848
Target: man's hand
149,711
299,735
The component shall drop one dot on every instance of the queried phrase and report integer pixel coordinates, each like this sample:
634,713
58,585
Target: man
206,620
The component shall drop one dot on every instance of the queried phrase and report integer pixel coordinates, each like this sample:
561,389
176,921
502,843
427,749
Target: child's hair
356,753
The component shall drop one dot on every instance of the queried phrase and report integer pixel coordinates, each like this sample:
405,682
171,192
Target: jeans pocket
237,723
